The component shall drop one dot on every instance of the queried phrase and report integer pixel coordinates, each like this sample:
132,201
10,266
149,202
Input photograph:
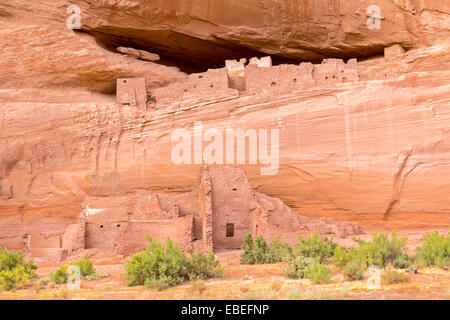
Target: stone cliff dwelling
237,78
222,207
216,215
243,77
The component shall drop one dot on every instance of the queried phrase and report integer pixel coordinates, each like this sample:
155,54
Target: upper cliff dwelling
237,78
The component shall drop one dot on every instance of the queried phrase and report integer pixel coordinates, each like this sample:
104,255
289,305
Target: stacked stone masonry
216,214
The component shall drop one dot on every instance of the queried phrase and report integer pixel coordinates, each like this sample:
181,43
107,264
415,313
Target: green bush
164,265
87,271
204,266
392,276
259,252
247,247
318,273
435,250
315,247
381,251
296,266
15,273
86,267
354,270
342,256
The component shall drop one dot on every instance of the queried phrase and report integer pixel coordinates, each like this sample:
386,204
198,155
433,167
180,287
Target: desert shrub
197,286
86,267
97,276
60,276
318,273
315,247
393,276
342,256
164,265
354,270
15,272
247,247
259,252
296,266
203,266
280,249
87,271
343,259
381,251
435,251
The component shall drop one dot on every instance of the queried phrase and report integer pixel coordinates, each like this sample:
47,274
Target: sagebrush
392,276
381,251
435,250
315,247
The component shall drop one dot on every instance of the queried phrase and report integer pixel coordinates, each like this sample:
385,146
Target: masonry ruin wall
238,78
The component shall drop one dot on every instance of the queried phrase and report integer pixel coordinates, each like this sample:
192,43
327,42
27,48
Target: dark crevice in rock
191,54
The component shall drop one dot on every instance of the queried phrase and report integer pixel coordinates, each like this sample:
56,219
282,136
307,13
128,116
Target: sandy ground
245,282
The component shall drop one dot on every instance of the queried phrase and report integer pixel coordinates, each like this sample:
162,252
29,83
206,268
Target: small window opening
118,225
101,226
230,230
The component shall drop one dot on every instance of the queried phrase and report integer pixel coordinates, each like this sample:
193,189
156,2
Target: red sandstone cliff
377,145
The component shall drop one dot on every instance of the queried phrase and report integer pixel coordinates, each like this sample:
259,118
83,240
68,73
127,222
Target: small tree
15,272
247,245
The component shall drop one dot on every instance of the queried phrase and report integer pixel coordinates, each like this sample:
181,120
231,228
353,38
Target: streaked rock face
377,145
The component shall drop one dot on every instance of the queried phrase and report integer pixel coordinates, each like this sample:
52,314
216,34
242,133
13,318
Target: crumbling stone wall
132,92
206,212
207,86
335,70
237,78
216,214
236,74
231,206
